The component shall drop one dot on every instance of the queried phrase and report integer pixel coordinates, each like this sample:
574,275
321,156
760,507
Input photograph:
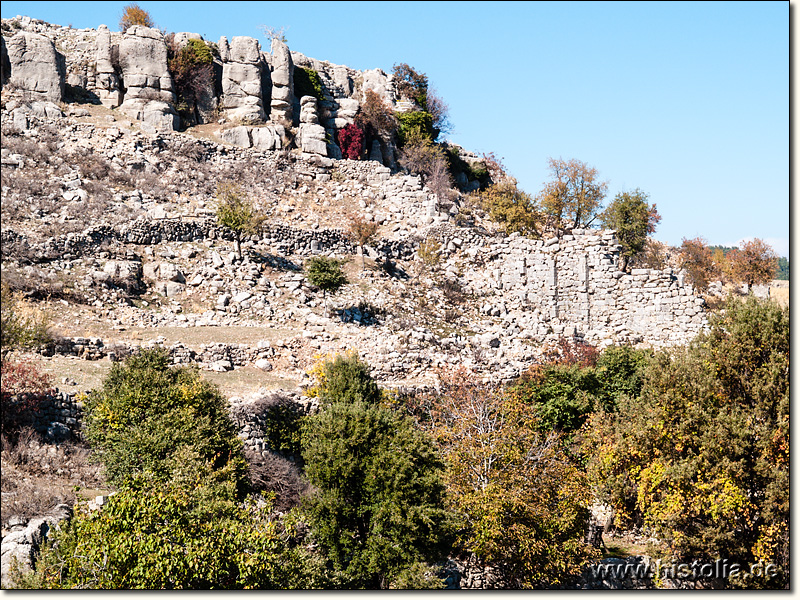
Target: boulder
35,66
312,134
269,137
238,136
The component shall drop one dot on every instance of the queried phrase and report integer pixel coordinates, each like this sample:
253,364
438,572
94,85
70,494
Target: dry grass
37,476
780,295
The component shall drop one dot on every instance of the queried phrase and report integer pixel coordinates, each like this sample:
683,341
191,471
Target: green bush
152,423
21,324
415,124
307,83
172,538
379,506
513,209
348,379
325,273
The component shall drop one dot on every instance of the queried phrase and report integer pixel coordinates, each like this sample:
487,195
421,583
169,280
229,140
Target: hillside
116,158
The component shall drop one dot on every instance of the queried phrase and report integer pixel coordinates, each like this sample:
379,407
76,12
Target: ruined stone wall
573,287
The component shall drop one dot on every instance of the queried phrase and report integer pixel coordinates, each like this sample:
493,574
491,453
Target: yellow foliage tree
133,14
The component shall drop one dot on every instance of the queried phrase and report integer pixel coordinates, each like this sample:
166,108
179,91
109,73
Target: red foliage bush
351,141
22,389
572,352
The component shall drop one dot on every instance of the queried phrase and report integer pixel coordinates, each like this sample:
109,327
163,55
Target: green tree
523,503
701,457
152,423
237,213
574,194
378,511
633,219
326,274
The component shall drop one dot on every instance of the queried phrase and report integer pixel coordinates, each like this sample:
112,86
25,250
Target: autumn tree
523,503
753,263
511,207
375,118
133,14
574,195
696,259
362,232
236,212
633,219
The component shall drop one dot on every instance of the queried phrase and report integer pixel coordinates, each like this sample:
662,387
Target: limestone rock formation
149,96
35,66
242,69
282,84
312,134
107,85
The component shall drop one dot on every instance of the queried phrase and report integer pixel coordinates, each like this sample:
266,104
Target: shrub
351,141
379,506
512,208
133,14
23,388
375,118
430,252
192,74
701,457
22,325
272,474
420,155
172,538
307,83
151,423
414,125
345,378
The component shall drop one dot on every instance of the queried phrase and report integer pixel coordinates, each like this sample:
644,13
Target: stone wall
57,418
573,287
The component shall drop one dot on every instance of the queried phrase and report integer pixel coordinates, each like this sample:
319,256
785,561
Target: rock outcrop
107,84
312,134
149,95
35,66
282,84
242,71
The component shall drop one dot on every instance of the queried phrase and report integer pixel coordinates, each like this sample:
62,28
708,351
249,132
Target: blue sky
687,101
